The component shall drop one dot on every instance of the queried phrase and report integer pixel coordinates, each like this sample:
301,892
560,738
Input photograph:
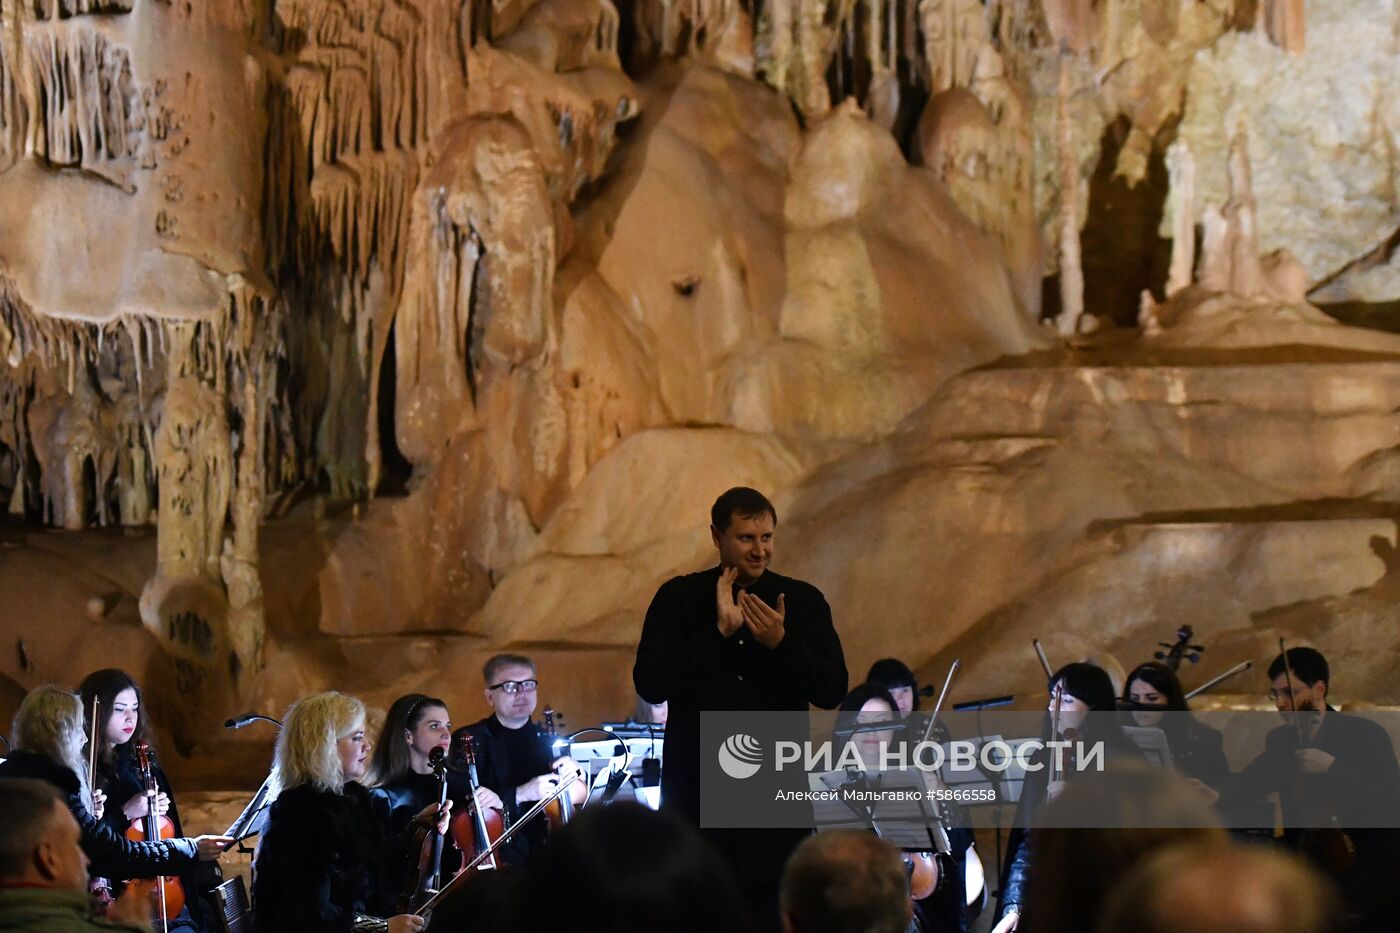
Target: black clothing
396,803
1198,751
120,779
1363,784
320,861
110,854
683,660
505,759
1034,791
1362,790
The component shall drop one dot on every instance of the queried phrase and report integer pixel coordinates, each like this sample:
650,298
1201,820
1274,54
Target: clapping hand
765,622
730,615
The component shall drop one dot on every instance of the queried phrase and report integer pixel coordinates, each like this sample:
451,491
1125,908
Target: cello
166,894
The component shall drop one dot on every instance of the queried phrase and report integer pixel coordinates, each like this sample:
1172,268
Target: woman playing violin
121,726
1076,690
869,704
321,856
402,783
49,737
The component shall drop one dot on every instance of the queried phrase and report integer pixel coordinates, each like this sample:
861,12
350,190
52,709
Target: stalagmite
1182,169
1071,268
184,603
1246,278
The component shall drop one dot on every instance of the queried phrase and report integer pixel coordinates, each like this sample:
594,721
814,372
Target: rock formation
353,340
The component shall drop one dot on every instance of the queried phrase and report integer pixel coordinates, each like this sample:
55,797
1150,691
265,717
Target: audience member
627,867
845,881
1232,889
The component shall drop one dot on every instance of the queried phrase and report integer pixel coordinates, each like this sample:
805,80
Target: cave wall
406,320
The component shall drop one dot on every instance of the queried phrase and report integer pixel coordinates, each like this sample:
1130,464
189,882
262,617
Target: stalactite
1285,23
90,97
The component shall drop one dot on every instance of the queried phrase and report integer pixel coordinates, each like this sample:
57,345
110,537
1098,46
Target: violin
561,811
425,877
475,829
922,869
166,894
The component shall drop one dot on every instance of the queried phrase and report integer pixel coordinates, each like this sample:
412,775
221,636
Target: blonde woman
48,736
322,853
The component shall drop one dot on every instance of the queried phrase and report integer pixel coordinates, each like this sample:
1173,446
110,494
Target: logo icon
740,756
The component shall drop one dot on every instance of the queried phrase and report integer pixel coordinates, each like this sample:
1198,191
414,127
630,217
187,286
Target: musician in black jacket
323,852
402,782
48,737
122,724
1153,694
736,637
514,757
1338,784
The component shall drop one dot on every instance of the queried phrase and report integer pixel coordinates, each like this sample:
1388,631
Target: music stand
250,822
894,804
1152,742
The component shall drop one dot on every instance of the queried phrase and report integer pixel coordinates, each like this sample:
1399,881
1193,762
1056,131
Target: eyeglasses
512,687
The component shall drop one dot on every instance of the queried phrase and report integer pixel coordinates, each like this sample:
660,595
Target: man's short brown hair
493,666
743,502
846,881
26,807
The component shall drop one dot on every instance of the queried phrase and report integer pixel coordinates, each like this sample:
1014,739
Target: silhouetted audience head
39,839
1233,889
627,867
475,903
845,881
1099,827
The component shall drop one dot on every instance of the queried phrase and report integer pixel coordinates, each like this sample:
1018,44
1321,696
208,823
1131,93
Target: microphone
615,782
926,691
238,722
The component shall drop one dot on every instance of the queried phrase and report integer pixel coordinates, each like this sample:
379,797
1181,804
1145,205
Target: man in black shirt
1338,784
513,754
736,637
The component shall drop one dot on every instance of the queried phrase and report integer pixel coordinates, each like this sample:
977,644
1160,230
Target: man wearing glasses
1338,784
513,753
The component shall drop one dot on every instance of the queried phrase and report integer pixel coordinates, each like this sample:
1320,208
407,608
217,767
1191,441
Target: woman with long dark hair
1154,696
122,725
402,783
48,740
1076,691
322,851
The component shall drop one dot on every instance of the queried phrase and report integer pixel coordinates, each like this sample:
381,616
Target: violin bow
1292,703
92,755
1239,668
1044,661
510,830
